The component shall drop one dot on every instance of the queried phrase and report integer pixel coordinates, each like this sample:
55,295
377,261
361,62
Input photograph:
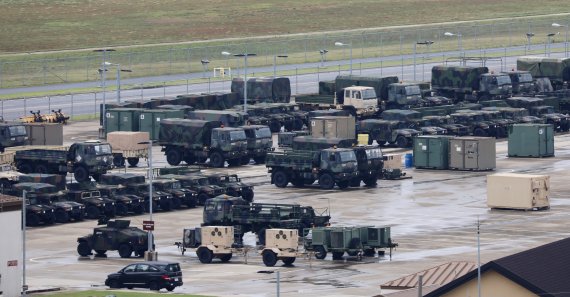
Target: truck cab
218,210
370,161
403,94
522,82
93,156
46,194
12,134
336,165
492,85
359,101
259,142
228,144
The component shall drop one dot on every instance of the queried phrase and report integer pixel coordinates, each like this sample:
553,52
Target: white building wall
10,253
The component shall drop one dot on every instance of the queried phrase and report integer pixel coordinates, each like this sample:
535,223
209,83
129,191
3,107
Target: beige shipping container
127,141
393,161
333,127
44,133
472,153
518,191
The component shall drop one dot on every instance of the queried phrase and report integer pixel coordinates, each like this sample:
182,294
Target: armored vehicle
555,69
179,194
232,185
328,166
12,134
447,123
136,185
46,194
386,131
258,217
197,140
351,240
537,108
310,143
83,159
38,213
229,118
470,83
116,236
496,118
476,123
95,204
411,119
517,115
259,143
370,162
124,203
522,82
199,184
263,89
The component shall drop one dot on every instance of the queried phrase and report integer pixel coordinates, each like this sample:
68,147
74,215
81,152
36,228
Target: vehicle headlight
112,203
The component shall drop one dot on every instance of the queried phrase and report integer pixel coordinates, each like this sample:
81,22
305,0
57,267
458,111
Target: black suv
152,275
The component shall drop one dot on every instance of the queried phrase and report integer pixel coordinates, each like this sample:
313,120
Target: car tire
83,249
320,252
170,288
153,286
173,157
217,160
125,250
114,284
204,255
133,162
326,181
269,258
280,179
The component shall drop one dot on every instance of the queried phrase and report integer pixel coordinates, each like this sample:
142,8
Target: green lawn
116,293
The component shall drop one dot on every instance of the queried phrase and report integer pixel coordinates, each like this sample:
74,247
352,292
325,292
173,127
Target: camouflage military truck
517,115
476,123
522,82
258,217
136,185
555,69
83,159
328,166
46,194
300,117
259,143
358,101
386,131
470,83
199,184
124,203
95,204
229,118
232,184
213,101
263,89
38,213
116,236
311,143
536,108
370,162
410,119
262,115
12,134
290,121
447,123
179,194
197,140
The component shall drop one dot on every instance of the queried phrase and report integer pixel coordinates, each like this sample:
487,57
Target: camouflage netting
457,77
553,68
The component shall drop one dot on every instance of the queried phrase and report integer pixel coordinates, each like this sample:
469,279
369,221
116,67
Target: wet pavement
433,217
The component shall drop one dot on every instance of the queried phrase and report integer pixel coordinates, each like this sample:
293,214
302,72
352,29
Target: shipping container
518,191
44,134
122,119
333,127
393,161
472,153
531,140
150,120
431,151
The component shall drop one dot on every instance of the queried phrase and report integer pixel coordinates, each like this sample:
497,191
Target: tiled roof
439,275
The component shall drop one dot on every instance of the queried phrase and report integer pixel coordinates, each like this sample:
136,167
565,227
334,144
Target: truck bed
52,156
315,99
298,160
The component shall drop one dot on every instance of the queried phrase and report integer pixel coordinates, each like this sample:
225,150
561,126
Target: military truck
46,194
277,110
411,119
229,118
83,159
259,143
470,83
384,131
447,123
117,235
517,115
179,194
357,101
328,166
199,184
258,217
536,108
355,241
12,134
476,123
555,69
196,140
263,89
300,117
521,81
265,114
232,184
136,185
95,204
370,162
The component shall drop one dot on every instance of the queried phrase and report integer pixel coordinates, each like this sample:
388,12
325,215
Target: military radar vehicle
116,236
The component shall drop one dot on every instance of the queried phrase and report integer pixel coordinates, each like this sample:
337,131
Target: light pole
346,44
323,53
150,252
565,39
119,70
103,79
275,63
529,36
244,55
459,43
549,42
24,285
426,43
227,55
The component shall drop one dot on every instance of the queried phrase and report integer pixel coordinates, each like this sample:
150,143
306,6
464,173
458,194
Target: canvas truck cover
553,68
122,179
230,118
310,143
380,84
264,89
465,78
186,133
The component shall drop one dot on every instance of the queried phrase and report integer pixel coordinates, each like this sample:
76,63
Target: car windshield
503,80
263,133
412,90
102,149
374,154
347,156
176,185
368,94
203,181
17,130
232,179
525,77
237,135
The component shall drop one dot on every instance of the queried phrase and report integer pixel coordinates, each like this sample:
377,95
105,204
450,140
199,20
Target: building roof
413,292
543,270
438,275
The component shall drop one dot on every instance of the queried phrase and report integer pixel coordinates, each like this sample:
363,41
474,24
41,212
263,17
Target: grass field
104,293
38,25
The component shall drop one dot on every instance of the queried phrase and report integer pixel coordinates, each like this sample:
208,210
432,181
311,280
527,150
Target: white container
518,191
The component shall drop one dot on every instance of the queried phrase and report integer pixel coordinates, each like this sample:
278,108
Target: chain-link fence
482,36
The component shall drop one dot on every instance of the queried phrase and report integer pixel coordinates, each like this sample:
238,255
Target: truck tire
226,258
81,174
204,255
343,184
217,160
133,161
326,181
125,250
83,249
25,167
401,142
41,168
32,220
245,160
371,181
269,258
275,127
320,252
289,261
202,198
61,216
259,160
118,161
280,179
92,212
337,255
122,209
247,195
479,132
173,157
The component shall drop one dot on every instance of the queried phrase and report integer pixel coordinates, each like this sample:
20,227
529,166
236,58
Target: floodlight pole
24,285
244,55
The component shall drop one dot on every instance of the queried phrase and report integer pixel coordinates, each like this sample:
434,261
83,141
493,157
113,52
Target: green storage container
531,140
129,118
431,151
150,120
111,120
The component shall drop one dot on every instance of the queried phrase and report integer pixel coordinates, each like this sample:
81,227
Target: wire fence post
296,81
49,103
164,89
95,103
187,87
2,109
142,88
25,105
72,105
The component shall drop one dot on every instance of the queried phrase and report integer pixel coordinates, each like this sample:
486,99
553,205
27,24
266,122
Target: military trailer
263,89
280,245
522,82
555,69
12,134
116,236
470,83
355,241
229,118
199,184
196,140
328,166
180,195
232,184
384,131
46,194
83,159
370,162
95,204
136,185
129,146
210,242
259,143
258,217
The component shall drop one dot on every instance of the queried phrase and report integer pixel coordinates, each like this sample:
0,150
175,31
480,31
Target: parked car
152,275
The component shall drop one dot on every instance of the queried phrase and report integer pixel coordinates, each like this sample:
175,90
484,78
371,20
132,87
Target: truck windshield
237,135
412,90
102,149
503,80
263,133
525,77
347,156
17,130
176,185
374,154
368,94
